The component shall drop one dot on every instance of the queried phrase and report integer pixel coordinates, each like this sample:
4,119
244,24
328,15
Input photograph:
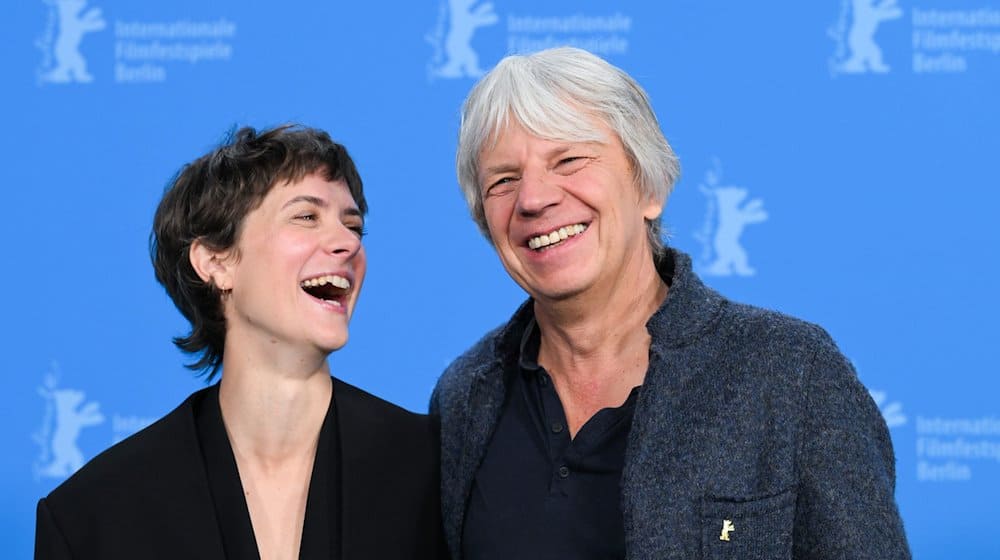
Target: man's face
565,217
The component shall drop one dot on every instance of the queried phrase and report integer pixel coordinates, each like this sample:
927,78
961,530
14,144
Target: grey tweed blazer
747,420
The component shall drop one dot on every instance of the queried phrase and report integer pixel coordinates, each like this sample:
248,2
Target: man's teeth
337,281
556,236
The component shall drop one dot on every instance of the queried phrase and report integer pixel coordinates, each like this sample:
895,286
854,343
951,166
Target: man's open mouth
556,237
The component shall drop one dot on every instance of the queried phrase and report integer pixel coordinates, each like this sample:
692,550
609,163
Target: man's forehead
496,159
560,140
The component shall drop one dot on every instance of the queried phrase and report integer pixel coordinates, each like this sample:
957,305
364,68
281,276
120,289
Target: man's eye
501,186
572,164
308,217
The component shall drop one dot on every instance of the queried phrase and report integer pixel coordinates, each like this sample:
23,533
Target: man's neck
597,352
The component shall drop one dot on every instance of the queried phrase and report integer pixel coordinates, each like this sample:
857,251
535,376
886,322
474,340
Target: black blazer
148,496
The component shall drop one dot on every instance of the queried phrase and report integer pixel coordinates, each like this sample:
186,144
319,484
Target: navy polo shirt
539,494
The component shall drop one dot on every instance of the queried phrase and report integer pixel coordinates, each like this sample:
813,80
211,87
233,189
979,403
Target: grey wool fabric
747,419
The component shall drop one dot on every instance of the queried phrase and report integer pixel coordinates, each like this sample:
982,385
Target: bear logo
73,24
454,56
728,214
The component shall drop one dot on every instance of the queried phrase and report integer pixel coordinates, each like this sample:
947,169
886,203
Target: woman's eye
358,229
306,217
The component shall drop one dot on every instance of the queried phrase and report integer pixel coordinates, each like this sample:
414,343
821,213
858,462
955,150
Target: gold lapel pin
727,527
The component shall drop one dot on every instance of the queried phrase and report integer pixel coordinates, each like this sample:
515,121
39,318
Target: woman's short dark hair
208,200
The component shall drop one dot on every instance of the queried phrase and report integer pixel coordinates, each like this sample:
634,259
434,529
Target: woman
258,244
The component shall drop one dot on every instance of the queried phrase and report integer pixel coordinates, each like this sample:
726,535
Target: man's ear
213,267
651,208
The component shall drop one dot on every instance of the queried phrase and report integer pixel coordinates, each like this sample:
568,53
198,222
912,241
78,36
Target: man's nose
538,191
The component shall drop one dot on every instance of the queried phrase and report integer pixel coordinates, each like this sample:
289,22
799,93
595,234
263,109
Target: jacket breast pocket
748,529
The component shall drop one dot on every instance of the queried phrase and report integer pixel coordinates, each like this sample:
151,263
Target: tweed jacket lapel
657,437
486,395
660,442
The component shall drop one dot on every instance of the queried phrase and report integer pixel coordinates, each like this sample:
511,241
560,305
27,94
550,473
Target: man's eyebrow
553,153
501,168
306,198
559,150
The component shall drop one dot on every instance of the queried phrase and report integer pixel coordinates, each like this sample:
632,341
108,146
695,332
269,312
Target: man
626,410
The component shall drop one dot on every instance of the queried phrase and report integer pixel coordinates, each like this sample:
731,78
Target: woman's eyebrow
306,198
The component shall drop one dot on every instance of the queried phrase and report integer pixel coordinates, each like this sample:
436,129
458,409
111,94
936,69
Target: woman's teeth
337,281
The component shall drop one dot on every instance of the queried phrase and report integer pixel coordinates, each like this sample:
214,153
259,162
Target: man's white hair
558,94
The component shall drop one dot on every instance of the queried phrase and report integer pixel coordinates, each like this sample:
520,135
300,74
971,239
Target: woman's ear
213,267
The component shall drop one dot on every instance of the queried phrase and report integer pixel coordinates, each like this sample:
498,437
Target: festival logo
604,34
67,23
727,214
457,22
67,413
142,51
854,33
891,411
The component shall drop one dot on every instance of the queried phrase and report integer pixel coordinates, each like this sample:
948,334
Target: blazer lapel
360,457
186,496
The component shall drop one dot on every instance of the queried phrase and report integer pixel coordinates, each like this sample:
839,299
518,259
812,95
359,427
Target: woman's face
298,270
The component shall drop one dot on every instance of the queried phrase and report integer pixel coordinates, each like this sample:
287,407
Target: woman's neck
272,417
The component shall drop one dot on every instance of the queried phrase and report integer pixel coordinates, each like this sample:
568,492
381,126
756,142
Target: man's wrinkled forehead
584,128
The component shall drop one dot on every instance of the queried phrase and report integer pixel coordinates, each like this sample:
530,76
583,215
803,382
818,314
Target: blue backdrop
839,164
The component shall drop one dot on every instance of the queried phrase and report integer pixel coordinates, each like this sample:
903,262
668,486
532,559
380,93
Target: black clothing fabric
539,494
321,529
151,496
